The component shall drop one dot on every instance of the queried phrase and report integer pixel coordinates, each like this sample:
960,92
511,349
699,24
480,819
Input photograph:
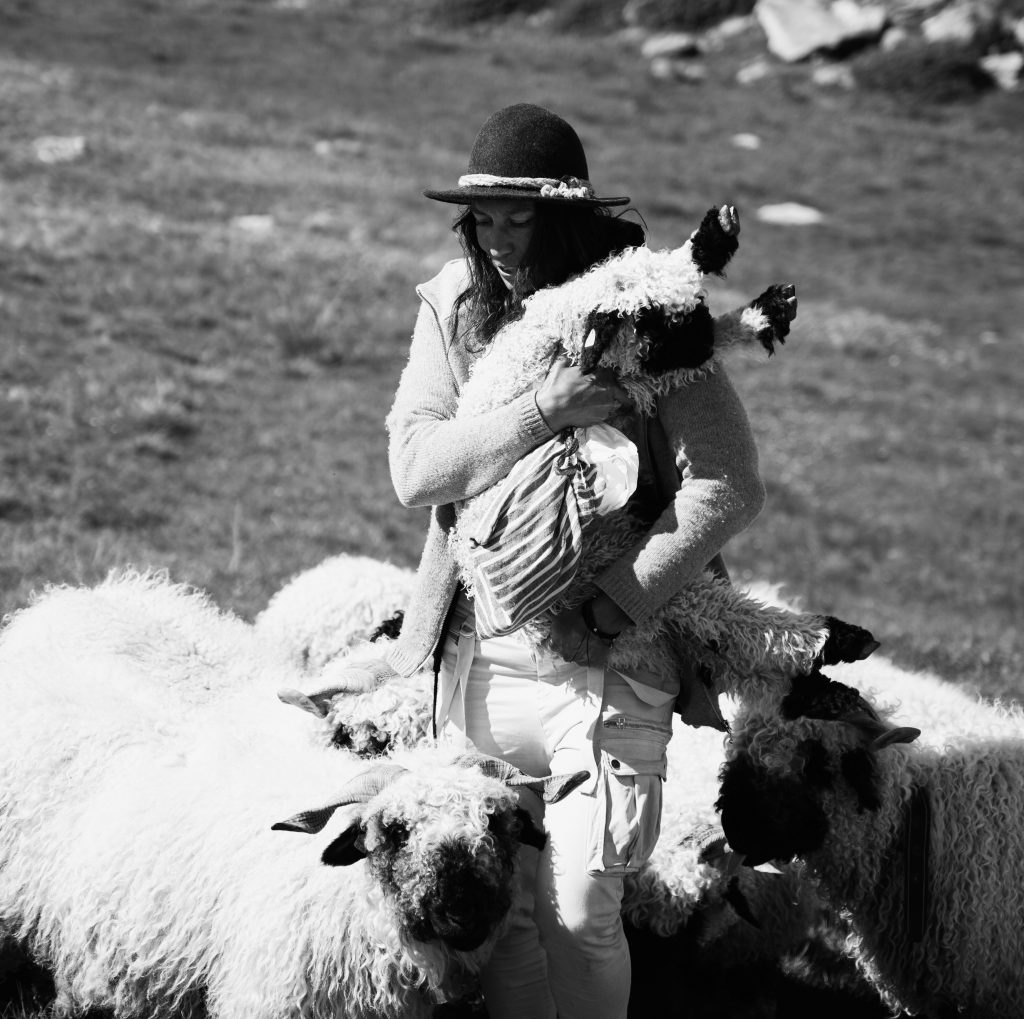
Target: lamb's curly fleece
972,766
139,777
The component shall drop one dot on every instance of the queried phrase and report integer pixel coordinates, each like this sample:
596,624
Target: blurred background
211,226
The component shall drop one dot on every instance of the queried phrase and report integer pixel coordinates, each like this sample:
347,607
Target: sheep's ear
529,833
297,699
360,789
347,848
551,789
902,734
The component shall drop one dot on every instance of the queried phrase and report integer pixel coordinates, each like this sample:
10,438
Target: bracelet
587,612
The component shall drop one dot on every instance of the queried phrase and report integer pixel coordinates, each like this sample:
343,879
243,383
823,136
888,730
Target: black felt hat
525,151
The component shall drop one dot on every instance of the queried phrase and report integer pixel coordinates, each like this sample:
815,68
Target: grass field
184,386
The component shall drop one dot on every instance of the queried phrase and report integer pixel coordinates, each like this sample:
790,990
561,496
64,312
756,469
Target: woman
532,219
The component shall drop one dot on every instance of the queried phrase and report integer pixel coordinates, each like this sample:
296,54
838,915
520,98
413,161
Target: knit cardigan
700,447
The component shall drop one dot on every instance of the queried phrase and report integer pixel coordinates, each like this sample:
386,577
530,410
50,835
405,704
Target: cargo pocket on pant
627,810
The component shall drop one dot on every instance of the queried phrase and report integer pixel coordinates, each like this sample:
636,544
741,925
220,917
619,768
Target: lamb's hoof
729,220
846,643
778,303
714,242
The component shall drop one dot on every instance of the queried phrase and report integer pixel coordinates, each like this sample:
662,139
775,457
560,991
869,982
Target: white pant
565,951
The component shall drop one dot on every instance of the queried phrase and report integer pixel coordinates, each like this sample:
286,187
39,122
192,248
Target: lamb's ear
901,734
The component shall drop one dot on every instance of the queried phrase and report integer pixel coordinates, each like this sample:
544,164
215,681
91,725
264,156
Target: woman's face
504,229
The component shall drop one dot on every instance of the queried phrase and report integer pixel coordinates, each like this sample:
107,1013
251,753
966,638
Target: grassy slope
175,391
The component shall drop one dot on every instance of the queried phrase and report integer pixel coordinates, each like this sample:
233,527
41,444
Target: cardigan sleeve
720,493
435,458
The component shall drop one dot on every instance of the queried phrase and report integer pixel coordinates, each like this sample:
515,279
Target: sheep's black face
771,817
458,892
468,901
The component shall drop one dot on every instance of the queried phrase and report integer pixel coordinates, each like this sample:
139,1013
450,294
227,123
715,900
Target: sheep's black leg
778,304
846,643
714,242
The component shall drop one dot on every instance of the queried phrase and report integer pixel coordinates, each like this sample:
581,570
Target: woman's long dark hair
566,240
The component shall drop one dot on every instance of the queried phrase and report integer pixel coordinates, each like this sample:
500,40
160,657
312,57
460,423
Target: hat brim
463,196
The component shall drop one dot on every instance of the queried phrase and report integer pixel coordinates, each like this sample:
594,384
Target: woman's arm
720,493
436,459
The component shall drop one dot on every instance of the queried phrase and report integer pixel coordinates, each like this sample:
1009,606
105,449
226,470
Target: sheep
919,843
340,603
339,608
139,781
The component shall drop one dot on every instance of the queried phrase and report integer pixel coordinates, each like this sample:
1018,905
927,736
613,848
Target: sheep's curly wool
313,620
972,771
351,605
136,856
676,888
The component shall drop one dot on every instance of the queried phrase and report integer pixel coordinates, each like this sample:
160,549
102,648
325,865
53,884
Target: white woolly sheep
138,785
921,845
338,608
345,601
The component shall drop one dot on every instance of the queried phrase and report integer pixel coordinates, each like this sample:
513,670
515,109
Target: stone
958,23
729,28
755,71
59,148
254,225
1004,68
789,214
893,38
797,28
833,75
745,140
671,44
668,69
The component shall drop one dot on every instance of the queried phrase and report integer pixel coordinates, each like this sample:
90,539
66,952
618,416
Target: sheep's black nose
466,922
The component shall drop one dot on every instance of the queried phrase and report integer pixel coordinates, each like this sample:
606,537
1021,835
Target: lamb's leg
747,640
765,320
714,242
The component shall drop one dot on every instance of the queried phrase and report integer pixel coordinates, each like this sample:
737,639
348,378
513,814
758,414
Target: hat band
547,187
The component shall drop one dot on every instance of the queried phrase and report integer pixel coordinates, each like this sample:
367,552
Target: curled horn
361,789
552,788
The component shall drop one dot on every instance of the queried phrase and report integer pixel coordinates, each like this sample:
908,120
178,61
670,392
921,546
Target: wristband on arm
587,612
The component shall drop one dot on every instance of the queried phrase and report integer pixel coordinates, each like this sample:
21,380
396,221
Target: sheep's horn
901,734
361,789
552,788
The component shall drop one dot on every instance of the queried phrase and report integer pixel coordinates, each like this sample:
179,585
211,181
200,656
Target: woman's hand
573,640
568,398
